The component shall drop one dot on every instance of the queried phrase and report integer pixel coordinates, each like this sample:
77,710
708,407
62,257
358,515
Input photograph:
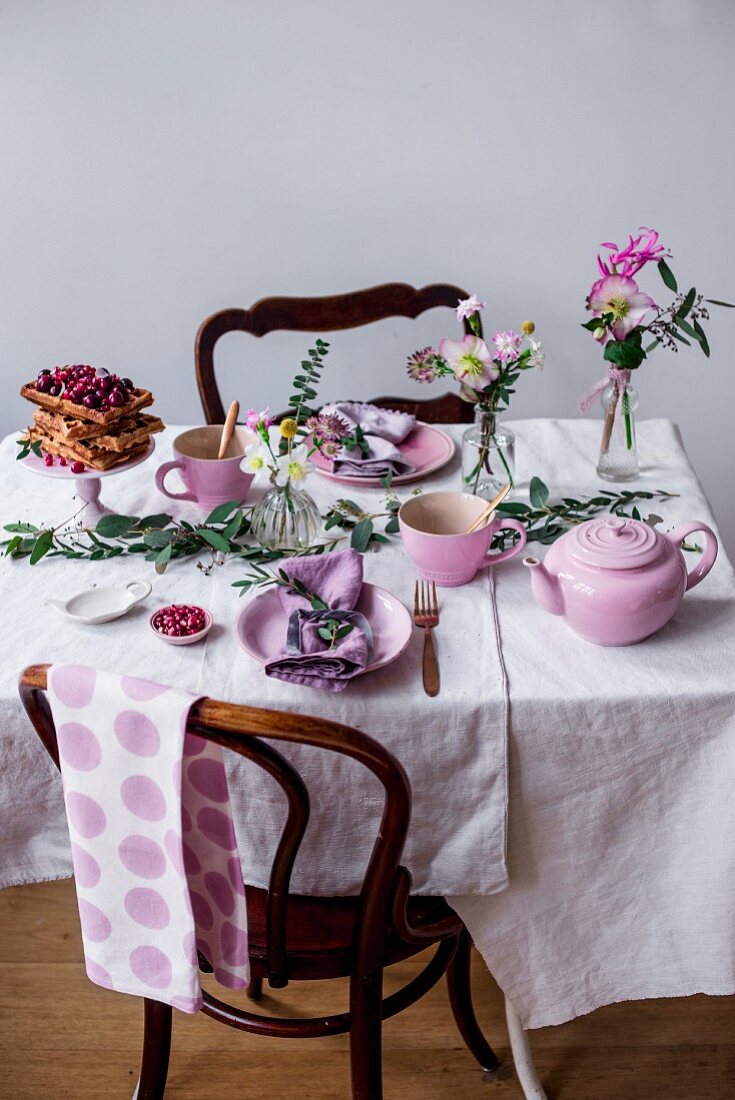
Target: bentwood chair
331,314
294,937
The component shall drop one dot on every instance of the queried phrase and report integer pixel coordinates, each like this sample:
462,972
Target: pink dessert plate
427,447
260,628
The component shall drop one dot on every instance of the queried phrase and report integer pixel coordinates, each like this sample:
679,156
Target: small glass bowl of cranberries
181,623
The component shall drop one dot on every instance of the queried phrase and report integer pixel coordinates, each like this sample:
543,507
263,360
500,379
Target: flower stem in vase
609,421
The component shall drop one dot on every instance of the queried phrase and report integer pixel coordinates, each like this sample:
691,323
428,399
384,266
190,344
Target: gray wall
164,159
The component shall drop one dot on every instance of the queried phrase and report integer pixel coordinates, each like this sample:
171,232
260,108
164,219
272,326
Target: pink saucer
260,628
427,447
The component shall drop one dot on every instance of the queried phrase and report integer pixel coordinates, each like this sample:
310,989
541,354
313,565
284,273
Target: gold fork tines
426,616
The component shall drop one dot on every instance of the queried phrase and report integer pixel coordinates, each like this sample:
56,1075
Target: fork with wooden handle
426,615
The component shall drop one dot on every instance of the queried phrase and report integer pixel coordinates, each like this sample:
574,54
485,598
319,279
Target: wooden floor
62,1037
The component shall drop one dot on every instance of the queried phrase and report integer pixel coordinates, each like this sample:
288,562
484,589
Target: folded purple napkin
384,429
308,659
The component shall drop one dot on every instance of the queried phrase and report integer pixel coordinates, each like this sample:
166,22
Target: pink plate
260,628
37,465
427,447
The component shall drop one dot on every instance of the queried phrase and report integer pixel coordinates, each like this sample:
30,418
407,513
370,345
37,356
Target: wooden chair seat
320,933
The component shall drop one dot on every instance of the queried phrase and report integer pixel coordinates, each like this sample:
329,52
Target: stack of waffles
90,417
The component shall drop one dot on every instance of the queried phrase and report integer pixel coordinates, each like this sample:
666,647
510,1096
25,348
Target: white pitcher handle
143,589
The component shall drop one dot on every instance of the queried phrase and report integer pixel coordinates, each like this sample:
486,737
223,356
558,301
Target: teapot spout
545,586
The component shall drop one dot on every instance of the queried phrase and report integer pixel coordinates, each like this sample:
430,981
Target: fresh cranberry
62,460
48,460
116,398
90,400
56,389
77,467
44,372
128,384
44,383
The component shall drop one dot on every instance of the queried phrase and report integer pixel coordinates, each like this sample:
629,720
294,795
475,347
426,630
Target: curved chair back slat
248,731
328,314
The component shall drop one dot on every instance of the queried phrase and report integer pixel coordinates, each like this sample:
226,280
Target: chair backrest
243,730
330,314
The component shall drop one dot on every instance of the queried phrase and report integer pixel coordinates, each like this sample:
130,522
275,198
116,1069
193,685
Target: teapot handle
705,563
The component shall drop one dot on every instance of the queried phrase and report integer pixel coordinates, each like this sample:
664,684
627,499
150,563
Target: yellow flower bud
289,427
527,328
599,333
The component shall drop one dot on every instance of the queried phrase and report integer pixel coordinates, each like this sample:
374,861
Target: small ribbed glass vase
488,456
618,452
285,519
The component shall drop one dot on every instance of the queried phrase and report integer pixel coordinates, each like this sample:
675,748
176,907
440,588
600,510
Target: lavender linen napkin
308,659
384,430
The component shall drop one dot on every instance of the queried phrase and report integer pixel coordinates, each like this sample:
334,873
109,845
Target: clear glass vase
488,456
285,519
618,452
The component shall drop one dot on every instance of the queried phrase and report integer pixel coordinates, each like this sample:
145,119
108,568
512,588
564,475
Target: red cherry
77,467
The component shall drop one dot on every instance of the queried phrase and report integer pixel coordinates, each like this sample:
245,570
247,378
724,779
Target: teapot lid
614,542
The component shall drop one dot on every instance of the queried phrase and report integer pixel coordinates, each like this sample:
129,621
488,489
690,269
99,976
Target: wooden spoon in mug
485,514
228,428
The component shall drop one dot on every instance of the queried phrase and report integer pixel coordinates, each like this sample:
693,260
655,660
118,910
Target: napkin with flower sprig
327,641
376,435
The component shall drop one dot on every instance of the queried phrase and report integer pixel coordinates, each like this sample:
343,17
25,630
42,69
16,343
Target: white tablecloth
622,771
453,747
622,761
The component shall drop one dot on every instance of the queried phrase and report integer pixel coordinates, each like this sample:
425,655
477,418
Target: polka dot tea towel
153,843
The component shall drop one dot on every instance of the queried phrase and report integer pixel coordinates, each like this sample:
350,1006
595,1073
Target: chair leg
366,1057
522,1056
255,988
156,1049
460,998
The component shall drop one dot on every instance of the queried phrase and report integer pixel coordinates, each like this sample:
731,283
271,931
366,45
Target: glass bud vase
285,519
488,456
618,452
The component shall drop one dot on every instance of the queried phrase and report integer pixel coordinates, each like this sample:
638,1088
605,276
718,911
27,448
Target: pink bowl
186,639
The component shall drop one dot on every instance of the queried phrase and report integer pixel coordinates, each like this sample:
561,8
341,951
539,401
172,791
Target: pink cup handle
705,563
161,477
512,524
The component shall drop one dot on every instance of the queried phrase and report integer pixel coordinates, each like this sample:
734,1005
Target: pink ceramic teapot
617,580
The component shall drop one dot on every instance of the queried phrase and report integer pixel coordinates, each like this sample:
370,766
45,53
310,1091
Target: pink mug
434,532
209,480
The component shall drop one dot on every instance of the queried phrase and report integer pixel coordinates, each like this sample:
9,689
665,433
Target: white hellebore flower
293,467
537,356
254,459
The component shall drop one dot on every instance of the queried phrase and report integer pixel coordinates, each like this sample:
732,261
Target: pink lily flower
471,360
619,295
637,253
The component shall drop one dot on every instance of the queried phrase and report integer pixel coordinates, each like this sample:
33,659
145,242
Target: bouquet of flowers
622,316
486,378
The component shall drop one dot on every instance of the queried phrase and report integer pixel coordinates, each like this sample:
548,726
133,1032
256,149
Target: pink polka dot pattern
74,685
151,966
86,868
208,777
217,827
95,924
173,847
142,856
79,747
85,814
220,891
136,733
141,690
143,797
134,783
226,978
234,944
147,907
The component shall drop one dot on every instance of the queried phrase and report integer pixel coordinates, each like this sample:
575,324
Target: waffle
88,452
140,400
128,431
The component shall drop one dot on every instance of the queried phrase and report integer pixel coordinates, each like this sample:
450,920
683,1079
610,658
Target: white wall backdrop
163,159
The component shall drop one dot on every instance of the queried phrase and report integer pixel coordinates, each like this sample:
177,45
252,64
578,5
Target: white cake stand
88,485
